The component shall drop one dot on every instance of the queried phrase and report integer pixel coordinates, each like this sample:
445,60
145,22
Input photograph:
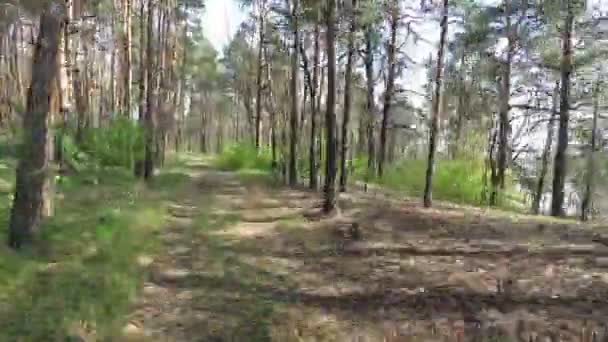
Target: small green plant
119,144
459,181
84,268
244,156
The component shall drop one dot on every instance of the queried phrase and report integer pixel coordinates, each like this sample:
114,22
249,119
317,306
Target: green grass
84,268
244,157
456,181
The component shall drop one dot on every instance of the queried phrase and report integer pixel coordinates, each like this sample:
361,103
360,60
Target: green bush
119,144
244,156
457,181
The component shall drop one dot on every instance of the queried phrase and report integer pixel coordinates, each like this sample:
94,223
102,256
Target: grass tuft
83,271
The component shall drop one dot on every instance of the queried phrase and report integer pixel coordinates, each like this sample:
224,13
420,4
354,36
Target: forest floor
244,259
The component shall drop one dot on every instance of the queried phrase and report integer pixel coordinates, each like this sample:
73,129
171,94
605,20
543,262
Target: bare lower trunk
314,110
540,185
428,188
369,74
390,84
150,120
258,103
347,100
293,120
126,62
139,163
559,166
33,167
330,116
588,197
504,121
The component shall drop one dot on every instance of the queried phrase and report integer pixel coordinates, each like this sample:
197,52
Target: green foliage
119,144
72,154
84,268
243,157
458,181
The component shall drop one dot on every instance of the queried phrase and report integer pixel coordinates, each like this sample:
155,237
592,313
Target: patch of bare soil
383,270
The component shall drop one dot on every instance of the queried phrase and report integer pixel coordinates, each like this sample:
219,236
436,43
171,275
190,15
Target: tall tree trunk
293,120
143,66
347,97
182,94
498,182
371,118
540,185
33,167
460,109
258,103
119,59
428,188
314,107
588,197
17,41
113,65
127,57
330,116
150,120
559,166
390,84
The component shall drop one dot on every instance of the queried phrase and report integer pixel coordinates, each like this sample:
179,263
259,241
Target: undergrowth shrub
458,181
119,144
244,156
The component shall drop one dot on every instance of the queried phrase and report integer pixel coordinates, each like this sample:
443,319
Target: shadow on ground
242,263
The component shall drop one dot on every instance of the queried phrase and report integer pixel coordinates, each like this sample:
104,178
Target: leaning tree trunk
293,120
347,98
540,185
390,85
559,166
428,188
33,167
587,199
330,116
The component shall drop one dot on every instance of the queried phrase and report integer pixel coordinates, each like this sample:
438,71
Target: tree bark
258,103
127,57
460,110
559,166
143,66
150,120
314,107
428,188
182,94
33,167
371,118
330,116
498,182
347,98
540,185
588,197
390,84
293,121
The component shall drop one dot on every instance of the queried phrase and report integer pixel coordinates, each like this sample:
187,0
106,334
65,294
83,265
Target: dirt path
246,261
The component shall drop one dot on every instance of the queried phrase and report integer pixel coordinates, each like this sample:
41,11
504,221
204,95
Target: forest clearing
337,170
